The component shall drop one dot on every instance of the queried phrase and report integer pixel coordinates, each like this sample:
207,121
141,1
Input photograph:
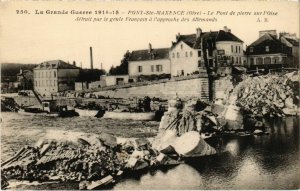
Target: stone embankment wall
185,88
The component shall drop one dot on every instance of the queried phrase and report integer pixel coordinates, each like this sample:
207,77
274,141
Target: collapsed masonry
270,95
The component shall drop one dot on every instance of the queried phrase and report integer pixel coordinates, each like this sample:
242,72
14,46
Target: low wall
197,87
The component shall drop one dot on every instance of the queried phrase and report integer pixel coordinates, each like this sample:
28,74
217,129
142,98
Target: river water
260,162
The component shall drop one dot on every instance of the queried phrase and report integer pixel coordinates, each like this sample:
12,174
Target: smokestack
150,48
91,54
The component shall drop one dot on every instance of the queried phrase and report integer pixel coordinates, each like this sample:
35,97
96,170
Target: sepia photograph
150,95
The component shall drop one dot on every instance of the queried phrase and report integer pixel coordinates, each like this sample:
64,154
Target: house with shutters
148,62
54,76
194,53
268,52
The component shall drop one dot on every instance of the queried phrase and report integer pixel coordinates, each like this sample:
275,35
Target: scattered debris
271,95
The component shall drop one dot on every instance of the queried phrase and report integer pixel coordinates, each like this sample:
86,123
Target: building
114,80
292,41
268,52
54,76
195,52
148,62
25,80
88,78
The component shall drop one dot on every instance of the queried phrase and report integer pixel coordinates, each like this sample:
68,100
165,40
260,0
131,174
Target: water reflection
179,177
258,162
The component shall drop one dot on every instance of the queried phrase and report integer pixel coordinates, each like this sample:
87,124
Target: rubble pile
92,160
64,161
193,116
270,94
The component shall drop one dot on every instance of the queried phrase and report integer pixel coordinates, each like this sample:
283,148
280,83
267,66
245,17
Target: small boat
61,112
38,113
139,116
86,112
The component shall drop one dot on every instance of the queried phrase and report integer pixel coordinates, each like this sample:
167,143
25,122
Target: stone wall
197,87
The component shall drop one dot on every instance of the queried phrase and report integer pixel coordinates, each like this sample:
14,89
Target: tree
123,67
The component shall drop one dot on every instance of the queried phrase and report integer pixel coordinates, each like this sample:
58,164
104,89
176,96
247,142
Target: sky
32,38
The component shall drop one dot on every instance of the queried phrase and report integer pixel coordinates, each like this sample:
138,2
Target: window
236,49
199,53
140,69
181,46
186,54
240,60
54,74
251,49
251,61
275,60
267,60
152,68
267,49
35,83
239,49
259,61
231,48
199,63
173,55
191,53
158,68
177,54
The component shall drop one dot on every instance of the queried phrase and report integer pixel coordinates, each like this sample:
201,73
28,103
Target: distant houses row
213,52
195,53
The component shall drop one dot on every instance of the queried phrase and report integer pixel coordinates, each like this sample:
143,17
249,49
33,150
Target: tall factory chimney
91,54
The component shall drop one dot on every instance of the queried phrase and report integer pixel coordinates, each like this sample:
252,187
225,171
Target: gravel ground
18,130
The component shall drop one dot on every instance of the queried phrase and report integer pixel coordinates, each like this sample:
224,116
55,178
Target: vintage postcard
149,95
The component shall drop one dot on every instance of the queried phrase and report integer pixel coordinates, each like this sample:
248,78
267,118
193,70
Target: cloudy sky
32,38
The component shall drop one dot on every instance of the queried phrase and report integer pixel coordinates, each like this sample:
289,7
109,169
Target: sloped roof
227,36
55,64
188,39
141,55
292,41
216,36
266,39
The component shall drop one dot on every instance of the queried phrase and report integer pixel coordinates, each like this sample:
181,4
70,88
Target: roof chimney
198,32
91,55
177,36
226,29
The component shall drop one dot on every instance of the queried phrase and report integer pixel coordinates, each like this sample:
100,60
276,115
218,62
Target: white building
114,80
54,76
148,62
192,53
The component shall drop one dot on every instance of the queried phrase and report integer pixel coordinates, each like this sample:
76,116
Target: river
261,162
